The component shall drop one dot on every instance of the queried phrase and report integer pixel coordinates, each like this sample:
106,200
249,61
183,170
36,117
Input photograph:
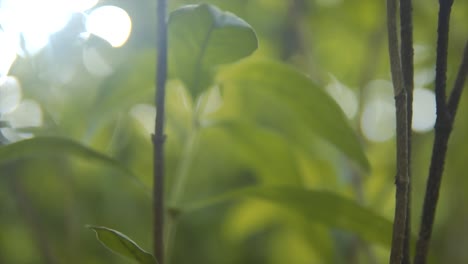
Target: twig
443,129
407,67
159,137
401,179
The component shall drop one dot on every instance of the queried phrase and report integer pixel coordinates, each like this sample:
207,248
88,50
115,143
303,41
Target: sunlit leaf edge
132,249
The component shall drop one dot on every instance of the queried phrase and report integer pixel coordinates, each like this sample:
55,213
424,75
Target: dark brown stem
401,104
432,192
407,67
441,63
443,128
158,138
401,181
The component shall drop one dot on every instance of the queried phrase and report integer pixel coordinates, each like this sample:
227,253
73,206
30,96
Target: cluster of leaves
240,128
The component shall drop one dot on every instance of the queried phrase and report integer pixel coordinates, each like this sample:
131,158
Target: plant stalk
407,68
401,104
443,128
158,138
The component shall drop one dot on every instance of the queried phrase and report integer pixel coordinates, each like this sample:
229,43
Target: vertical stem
159,137
407,67
401,181
401,104
443,129
445,7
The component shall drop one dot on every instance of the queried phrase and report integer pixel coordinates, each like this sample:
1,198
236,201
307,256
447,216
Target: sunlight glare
10,94
378,117
110,23
28,114
34,20
424,110
82,5
378,121
8,48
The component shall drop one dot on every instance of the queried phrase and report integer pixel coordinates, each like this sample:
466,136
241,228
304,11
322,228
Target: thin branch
432,192
443,129
401,179
407,66
159,137
445,7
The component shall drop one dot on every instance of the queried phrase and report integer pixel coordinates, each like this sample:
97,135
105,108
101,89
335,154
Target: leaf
39,147
323,207
131,83
279,97
202,37
271,157
122,245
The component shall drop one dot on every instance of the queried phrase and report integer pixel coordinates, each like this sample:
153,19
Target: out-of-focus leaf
131,83
323,207
264,150
40,147
201,37
278,96
122,245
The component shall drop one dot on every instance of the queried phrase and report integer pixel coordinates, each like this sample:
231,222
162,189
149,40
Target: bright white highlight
27,114
8,48
424,110
16,113
34,20
344,96
81,5
110,23
378,121
10,94
378,117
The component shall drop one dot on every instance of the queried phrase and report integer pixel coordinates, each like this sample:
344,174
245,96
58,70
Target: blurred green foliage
261,125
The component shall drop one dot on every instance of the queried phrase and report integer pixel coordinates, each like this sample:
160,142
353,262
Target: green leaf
281,98
271,157
131,83
40,147
323,207
122,245
202,37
